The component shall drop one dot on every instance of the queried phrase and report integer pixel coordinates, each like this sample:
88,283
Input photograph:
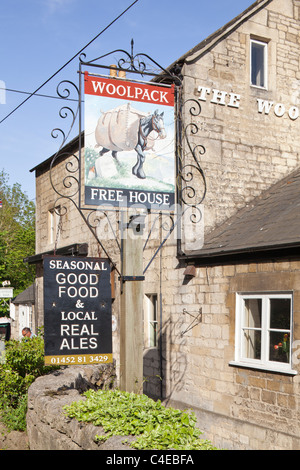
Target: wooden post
131,324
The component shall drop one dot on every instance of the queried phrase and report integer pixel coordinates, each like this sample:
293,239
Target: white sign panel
6,292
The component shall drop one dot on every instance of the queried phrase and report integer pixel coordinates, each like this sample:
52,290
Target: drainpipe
160,317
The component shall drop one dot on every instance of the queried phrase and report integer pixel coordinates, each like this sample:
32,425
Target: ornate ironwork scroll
69,185
191,178
134,63
67,182
191,181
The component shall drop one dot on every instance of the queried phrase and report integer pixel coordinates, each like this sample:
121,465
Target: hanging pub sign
129,143
77,310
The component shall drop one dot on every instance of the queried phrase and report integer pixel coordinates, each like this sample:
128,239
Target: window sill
258,87
277,370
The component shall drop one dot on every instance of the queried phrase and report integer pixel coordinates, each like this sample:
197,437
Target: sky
37,39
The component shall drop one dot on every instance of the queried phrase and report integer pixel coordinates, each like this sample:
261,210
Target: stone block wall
48,428
238,408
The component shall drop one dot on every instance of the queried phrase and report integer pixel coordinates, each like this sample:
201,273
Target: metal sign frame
188,170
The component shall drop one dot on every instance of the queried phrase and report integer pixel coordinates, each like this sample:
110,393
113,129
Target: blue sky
37,37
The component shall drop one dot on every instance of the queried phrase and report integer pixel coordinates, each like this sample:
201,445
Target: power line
38,94
69,61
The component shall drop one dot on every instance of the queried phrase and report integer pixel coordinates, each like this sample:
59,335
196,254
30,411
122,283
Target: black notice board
77,310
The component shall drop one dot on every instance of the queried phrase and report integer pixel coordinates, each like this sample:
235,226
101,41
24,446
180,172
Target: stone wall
197,371
47,426
247,150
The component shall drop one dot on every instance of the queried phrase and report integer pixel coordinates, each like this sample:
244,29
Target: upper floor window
259,62
264,331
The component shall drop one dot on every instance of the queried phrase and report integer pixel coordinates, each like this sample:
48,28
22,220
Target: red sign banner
132,91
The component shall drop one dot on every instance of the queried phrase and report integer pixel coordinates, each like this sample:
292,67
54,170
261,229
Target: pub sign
77,310
129,143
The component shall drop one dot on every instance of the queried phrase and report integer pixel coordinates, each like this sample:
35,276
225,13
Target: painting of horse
125,129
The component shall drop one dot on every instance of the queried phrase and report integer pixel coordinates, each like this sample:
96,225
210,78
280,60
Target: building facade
22,312
221,320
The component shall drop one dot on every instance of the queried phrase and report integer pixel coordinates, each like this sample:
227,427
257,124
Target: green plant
24,362
26,357
17,236
123,413
14,418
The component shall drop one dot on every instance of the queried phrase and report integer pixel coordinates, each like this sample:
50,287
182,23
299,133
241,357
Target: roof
62,153
271,221
76,249
213,39
25,297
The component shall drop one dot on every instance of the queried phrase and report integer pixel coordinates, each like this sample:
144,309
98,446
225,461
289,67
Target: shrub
24,362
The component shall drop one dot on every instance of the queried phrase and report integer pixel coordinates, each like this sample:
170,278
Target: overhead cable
69,61
38,94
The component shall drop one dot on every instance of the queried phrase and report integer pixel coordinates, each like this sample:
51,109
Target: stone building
22,312
222,321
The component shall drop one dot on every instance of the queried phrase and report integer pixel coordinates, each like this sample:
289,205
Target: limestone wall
47,426
197,371
247,150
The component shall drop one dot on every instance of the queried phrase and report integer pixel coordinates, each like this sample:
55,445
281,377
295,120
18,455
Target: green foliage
17,209
26,357
24,362
14,418
13,249
17,236
123,413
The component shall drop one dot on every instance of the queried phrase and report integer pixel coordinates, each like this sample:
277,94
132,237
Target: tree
17,235
17,209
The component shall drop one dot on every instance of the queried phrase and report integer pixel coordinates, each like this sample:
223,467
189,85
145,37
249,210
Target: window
150,320
263,330
259,63
54,217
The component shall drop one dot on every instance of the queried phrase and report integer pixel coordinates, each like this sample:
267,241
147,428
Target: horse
153,122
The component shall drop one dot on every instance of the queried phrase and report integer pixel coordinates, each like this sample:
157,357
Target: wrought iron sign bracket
132,278
132,63
68,188
197,318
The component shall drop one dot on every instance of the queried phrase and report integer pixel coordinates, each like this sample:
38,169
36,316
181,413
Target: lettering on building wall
264,107
233,100
77,310
219,97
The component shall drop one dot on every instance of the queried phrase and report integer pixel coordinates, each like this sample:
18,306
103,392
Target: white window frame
53,216
263,363
151,320
264,44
